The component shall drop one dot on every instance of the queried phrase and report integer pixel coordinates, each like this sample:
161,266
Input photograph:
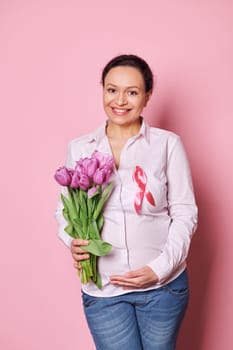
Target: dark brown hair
131,61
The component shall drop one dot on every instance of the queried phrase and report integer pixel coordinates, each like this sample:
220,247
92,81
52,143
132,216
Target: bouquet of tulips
87,191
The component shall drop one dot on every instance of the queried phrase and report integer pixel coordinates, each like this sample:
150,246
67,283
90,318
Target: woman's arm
183,212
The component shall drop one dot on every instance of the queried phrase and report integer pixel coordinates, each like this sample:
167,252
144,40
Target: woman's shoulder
87,137
163,133
82,139
78,147
84,145
165,139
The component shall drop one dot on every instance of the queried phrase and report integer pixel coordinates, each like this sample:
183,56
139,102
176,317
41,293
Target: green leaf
77,221
93,230
71,196
98,247
69,229
100,222
69,206
66,214
104,197
65,202
79,231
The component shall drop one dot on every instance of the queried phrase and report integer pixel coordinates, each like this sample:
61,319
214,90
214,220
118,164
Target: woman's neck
124,132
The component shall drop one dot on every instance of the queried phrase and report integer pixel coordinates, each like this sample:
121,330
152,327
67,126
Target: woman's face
124,95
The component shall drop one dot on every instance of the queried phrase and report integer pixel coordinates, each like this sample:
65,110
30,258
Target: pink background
51,56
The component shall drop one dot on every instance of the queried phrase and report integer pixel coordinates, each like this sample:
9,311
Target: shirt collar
100,133
145,130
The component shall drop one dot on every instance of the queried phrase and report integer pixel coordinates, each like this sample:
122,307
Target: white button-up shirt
159,236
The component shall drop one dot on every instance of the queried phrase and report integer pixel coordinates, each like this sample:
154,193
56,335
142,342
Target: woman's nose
121,99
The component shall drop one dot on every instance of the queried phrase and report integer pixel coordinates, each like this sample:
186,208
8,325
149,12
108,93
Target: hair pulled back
131,61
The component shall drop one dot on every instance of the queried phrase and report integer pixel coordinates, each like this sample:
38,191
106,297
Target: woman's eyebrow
128,87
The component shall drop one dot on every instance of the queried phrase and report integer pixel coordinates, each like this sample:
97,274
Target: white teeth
120,110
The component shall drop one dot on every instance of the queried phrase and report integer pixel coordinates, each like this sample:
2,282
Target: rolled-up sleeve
182,210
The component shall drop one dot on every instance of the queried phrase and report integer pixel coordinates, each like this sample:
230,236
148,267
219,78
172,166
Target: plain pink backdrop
51,56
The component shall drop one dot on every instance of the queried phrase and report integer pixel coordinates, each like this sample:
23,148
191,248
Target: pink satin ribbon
139,176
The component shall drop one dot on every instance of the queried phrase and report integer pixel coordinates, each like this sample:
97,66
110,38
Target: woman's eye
132,93
111,90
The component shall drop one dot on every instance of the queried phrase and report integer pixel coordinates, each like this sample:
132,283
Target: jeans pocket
180,286
88,300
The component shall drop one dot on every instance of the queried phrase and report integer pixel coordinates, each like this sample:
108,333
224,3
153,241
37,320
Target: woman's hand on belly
137,279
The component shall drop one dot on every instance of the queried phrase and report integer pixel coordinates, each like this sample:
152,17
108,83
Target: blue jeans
138,320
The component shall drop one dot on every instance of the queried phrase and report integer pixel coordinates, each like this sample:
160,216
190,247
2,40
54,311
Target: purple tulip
108,172
75,180
79,166
103,159
92,167
92,191
98,177
83,163
63,176
101,175
84,182
89,166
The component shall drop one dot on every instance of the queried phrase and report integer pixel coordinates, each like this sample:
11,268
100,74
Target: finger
77,266
120,279
126,282
127,277
78,250
136,284
127,285
79,257
77,242
135,273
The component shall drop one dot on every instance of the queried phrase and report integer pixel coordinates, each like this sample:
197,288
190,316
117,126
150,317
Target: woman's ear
148,96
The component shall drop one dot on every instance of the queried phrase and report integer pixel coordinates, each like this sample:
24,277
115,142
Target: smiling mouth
120,111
